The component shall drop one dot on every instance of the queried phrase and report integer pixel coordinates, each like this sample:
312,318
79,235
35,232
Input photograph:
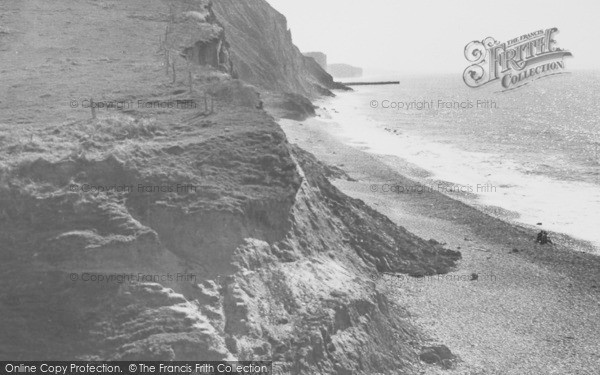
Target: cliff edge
265,56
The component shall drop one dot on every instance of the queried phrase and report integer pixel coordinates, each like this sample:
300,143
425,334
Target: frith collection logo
514,63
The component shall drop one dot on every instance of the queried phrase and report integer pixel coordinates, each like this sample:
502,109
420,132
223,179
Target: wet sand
533,309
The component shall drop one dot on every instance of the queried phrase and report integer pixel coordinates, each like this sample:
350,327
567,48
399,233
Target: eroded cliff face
194,32
249,40
264,260
263,52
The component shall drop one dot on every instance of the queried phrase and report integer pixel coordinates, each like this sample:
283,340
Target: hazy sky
429,36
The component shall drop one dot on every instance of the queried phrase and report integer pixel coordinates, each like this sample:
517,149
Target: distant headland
339,70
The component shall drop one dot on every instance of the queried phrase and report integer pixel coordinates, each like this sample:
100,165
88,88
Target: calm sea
534,151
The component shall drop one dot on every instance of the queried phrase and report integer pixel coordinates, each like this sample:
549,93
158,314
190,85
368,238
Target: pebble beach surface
511,306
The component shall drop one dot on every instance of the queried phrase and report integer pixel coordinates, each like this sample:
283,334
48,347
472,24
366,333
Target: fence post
173,70
167,61
190,82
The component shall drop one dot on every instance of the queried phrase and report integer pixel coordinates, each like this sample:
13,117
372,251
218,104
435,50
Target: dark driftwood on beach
372,83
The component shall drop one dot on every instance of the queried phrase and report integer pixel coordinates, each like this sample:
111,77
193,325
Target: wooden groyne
371,83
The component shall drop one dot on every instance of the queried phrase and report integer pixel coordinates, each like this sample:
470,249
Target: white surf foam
572,208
